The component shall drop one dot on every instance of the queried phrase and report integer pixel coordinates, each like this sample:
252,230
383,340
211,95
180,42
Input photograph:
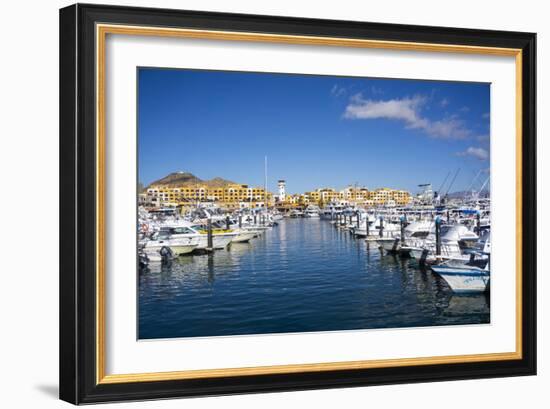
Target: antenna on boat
452,181
443,184
483,187
473,181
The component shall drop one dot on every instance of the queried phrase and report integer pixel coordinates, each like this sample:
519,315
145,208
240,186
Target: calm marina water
303,275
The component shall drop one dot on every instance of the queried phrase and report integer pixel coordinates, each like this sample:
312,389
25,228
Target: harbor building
356,195
228,196
234,195
323,195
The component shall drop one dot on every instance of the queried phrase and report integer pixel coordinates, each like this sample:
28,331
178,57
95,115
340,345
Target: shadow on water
468,304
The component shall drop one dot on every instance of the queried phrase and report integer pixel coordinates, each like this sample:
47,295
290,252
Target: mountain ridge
176,179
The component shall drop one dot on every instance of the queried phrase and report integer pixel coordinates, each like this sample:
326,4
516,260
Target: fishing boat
386,235
464,279
477,257
455,239
414,233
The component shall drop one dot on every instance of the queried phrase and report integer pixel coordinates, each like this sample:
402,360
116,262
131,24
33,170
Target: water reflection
304,275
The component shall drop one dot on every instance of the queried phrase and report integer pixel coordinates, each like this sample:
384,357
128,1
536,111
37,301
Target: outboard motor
166,253
143,259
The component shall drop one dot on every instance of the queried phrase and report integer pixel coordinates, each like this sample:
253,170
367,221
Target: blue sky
317,131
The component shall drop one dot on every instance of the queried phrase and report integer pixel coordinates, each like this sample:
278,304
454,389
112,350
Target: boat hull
221,241
389,245
464,280
180,250
244,237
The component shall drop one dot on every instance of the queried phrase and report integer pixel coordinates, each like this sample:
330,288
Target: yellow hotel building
228,195
358,195
236,194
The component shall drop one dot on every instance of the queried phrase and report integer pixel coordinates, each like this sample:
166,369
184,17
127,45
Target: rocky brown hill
176,179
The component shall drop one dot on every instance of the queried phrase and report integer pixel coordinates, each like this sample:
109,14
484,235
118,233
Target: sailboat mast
265,182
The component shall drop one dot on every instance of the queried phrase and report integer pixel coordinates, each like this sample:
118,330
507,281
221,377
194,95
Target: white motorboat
312,211
459,233
375,225
276,216
361,229
178,245
464,279
155,255
294,213
418,229
389,244
478,257
220,237
244,235
198,234
331,211
453,239
472,259
415,232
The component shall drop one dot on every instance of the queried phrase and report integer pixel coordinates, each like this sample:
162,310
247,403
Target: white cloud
449,128
408,111
404,109
478,153
337,91
444,102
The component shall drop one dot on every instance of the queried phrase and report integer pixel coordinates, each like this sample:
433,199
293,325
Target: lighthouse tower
282,190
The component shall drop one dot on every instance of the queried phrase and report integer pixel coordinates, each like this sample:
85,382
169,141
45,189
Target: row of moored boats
167,235
455,244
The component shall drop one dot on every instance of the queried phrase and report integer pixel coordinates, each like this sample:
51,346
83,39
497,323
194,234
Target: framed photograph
257,203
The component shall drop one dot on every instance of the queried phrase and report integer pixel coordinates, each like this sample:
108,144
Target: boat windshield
161,235
182,230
